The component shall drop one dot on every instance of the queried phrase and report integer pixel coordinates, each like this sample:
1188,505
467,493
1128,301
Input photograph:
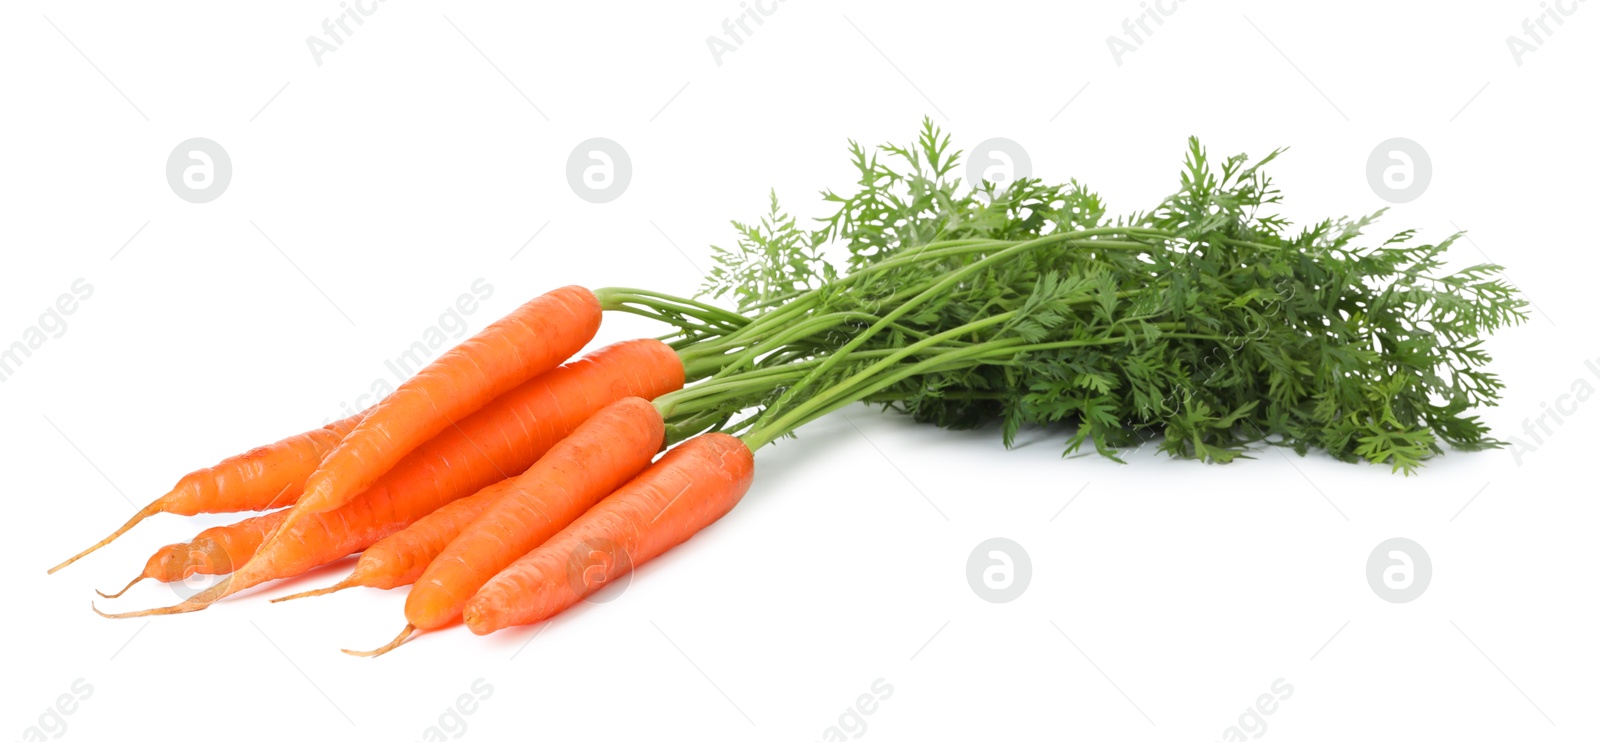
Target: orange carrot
533,339
603,453
505,437
214,551
263,478
688,489
400,557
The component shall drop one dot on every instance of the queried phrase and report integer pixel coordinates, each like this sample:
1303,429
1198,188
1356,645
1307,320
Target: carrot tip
385,648
313,593
184,607
199,602
144,512
119,593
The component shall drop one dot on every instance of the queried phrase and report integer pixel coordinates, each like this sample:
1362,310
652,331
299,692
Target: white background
430,149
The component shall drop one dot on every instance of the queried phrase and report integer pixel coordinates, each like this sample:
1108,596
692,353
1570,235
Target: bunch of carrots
487,481
511,478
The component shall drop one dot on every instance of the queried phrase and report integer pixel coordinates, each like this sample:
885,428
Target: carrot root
533,339
509,434
346,582
197,602
685,491
599,456
124,589
184,607
385,648
145,512
243,482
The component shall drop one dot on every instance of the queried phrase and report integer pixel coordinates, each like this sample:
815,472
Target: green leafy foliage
1207,323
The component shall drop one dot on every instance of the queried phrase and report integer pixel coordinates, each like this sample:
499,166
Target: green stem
617,298
947,282
905,255
886,373
800,302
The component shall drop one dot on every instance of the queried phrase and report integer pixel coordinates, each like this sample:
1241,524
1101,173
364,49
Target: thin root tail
119,593
313,593
145,512
385,648
198,602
